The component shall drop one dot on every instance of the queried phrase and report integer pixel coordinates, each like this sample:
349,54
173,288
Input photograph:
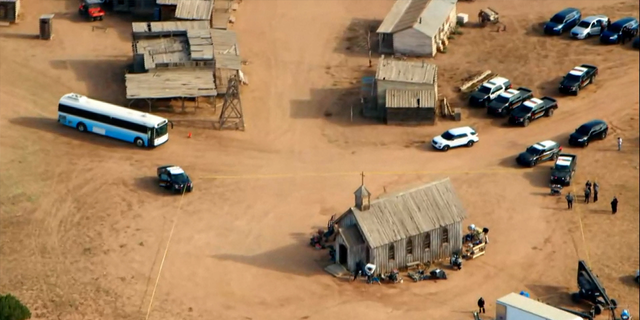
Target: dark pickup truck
578,78
533,109
509,100
563,169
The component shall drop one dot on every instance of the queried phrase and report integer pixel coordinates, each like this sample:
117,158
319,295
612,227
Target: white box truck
516,307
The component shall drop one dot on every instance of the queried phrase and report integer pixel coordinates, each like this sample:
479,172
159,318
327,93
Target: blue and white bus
89,115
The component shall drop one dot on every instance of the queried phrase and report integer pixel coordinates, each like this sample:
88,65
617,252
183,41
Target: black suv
594,129
174,178
541,151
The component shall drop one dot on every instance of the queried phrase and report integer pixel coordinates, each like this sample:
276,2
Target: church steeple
363,196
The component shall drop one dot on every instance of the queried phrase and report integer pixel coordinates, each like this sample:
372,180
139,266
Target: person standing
596,189
588,184
569,198
619,143
624,34
481,305
614,205
587,194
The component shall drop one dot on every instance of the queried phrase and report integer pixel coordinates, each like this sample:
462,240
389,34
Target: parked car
564,169
578,78
533,109
91,9
589,26
489,91
613,34
174,178
539,152
594,129
563,21
457,137
509,100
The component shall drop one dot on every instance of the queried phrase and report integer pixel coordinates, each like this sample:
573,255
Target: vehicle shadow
538,176
537,30
549,88
104,79
551,294
628,280
150,185
52,126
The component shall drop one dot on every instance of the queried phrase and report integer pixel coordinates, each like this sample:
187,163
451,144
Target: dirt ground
83,225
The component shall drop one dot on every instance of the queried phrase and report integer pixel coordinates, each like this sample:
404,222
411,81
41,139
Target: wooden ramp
337,271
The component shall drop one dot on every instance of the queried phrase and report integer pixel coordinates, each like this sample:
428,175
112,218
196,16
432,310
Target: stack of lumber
445,108
474,82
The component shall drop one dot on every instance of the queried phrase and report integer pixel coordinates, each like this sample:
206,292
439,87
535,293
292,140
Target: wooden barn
410,107
9,10
417,27
419,225
403,76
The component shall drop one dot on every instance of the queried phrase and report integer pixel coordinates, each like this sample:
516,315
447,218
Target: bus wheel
81,127
139,142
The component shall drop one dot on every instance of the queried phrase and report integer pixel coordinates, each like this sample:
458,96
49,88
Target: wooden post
351,113
369,46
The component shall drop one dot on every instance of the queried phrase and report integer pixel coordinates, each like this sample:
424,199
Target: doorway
342,255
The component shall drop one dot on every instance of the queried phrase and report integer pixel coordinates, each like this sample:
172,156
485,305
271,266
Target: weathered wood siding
410,116
358,253
347,221
411,42
383,85
437,252
222,79
445,30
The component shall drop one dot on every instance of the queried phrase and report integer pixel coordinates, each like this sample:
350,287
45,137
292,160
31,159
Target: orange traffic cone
189,136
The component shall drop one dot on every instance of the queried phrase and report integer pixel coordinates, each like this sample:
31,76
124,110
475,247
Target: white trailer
516,307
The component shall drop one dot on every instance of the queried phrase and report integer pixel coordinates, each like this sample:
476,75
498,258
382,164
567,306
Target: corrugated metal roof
200,45
169,83
226,50
194,9
351,236
426,16
406,71
403,15
397,98
167,27
538,308
162,50
409,213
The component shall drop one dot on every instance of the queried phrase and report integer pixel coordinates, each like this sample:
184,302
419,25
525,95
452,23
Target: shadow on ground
554,295
104,79
297,258
150,185
52,126
359,37
17,35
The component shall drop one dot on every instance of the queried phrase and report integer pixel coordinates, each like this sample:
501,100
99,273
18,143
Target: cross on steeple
362,175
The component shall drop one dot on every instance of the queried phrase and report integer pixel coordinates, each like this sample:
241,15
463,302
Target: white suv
457,137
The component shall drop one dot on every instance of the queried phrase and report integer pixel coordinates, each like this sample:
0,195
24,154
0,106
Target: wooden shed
402,75
418,225
417,27
410,107
227,57
9,10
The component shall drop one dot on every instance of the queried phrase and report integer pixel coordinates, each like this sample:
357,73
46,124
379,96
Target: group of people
591,189
626,34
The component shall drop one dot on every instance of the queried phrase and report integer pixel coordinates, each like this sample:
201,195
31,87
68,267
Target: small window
409,246
392,252
427,241
445,235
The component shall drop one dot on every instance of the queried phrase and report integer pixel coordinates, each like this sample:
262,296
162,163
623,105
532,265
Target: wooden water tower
46,27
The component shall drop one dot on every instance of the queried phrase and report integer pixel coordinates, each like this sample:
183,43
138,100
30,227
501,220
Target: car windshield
584,24
484,89
559,19
162,130
534,151
572,78
614,28
562,167
502,99
584,130
447,136
524,109
180,178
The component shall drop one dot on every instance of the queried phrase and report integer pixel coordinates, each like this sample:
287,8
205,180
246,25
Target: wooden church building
418,225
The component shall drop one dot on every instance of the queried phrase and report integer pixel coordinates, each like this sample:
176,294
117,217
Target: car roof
510,93
593,18
624,21
496,81
175,170
532,102
578,71
593,123
564,160
460,130
544,144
